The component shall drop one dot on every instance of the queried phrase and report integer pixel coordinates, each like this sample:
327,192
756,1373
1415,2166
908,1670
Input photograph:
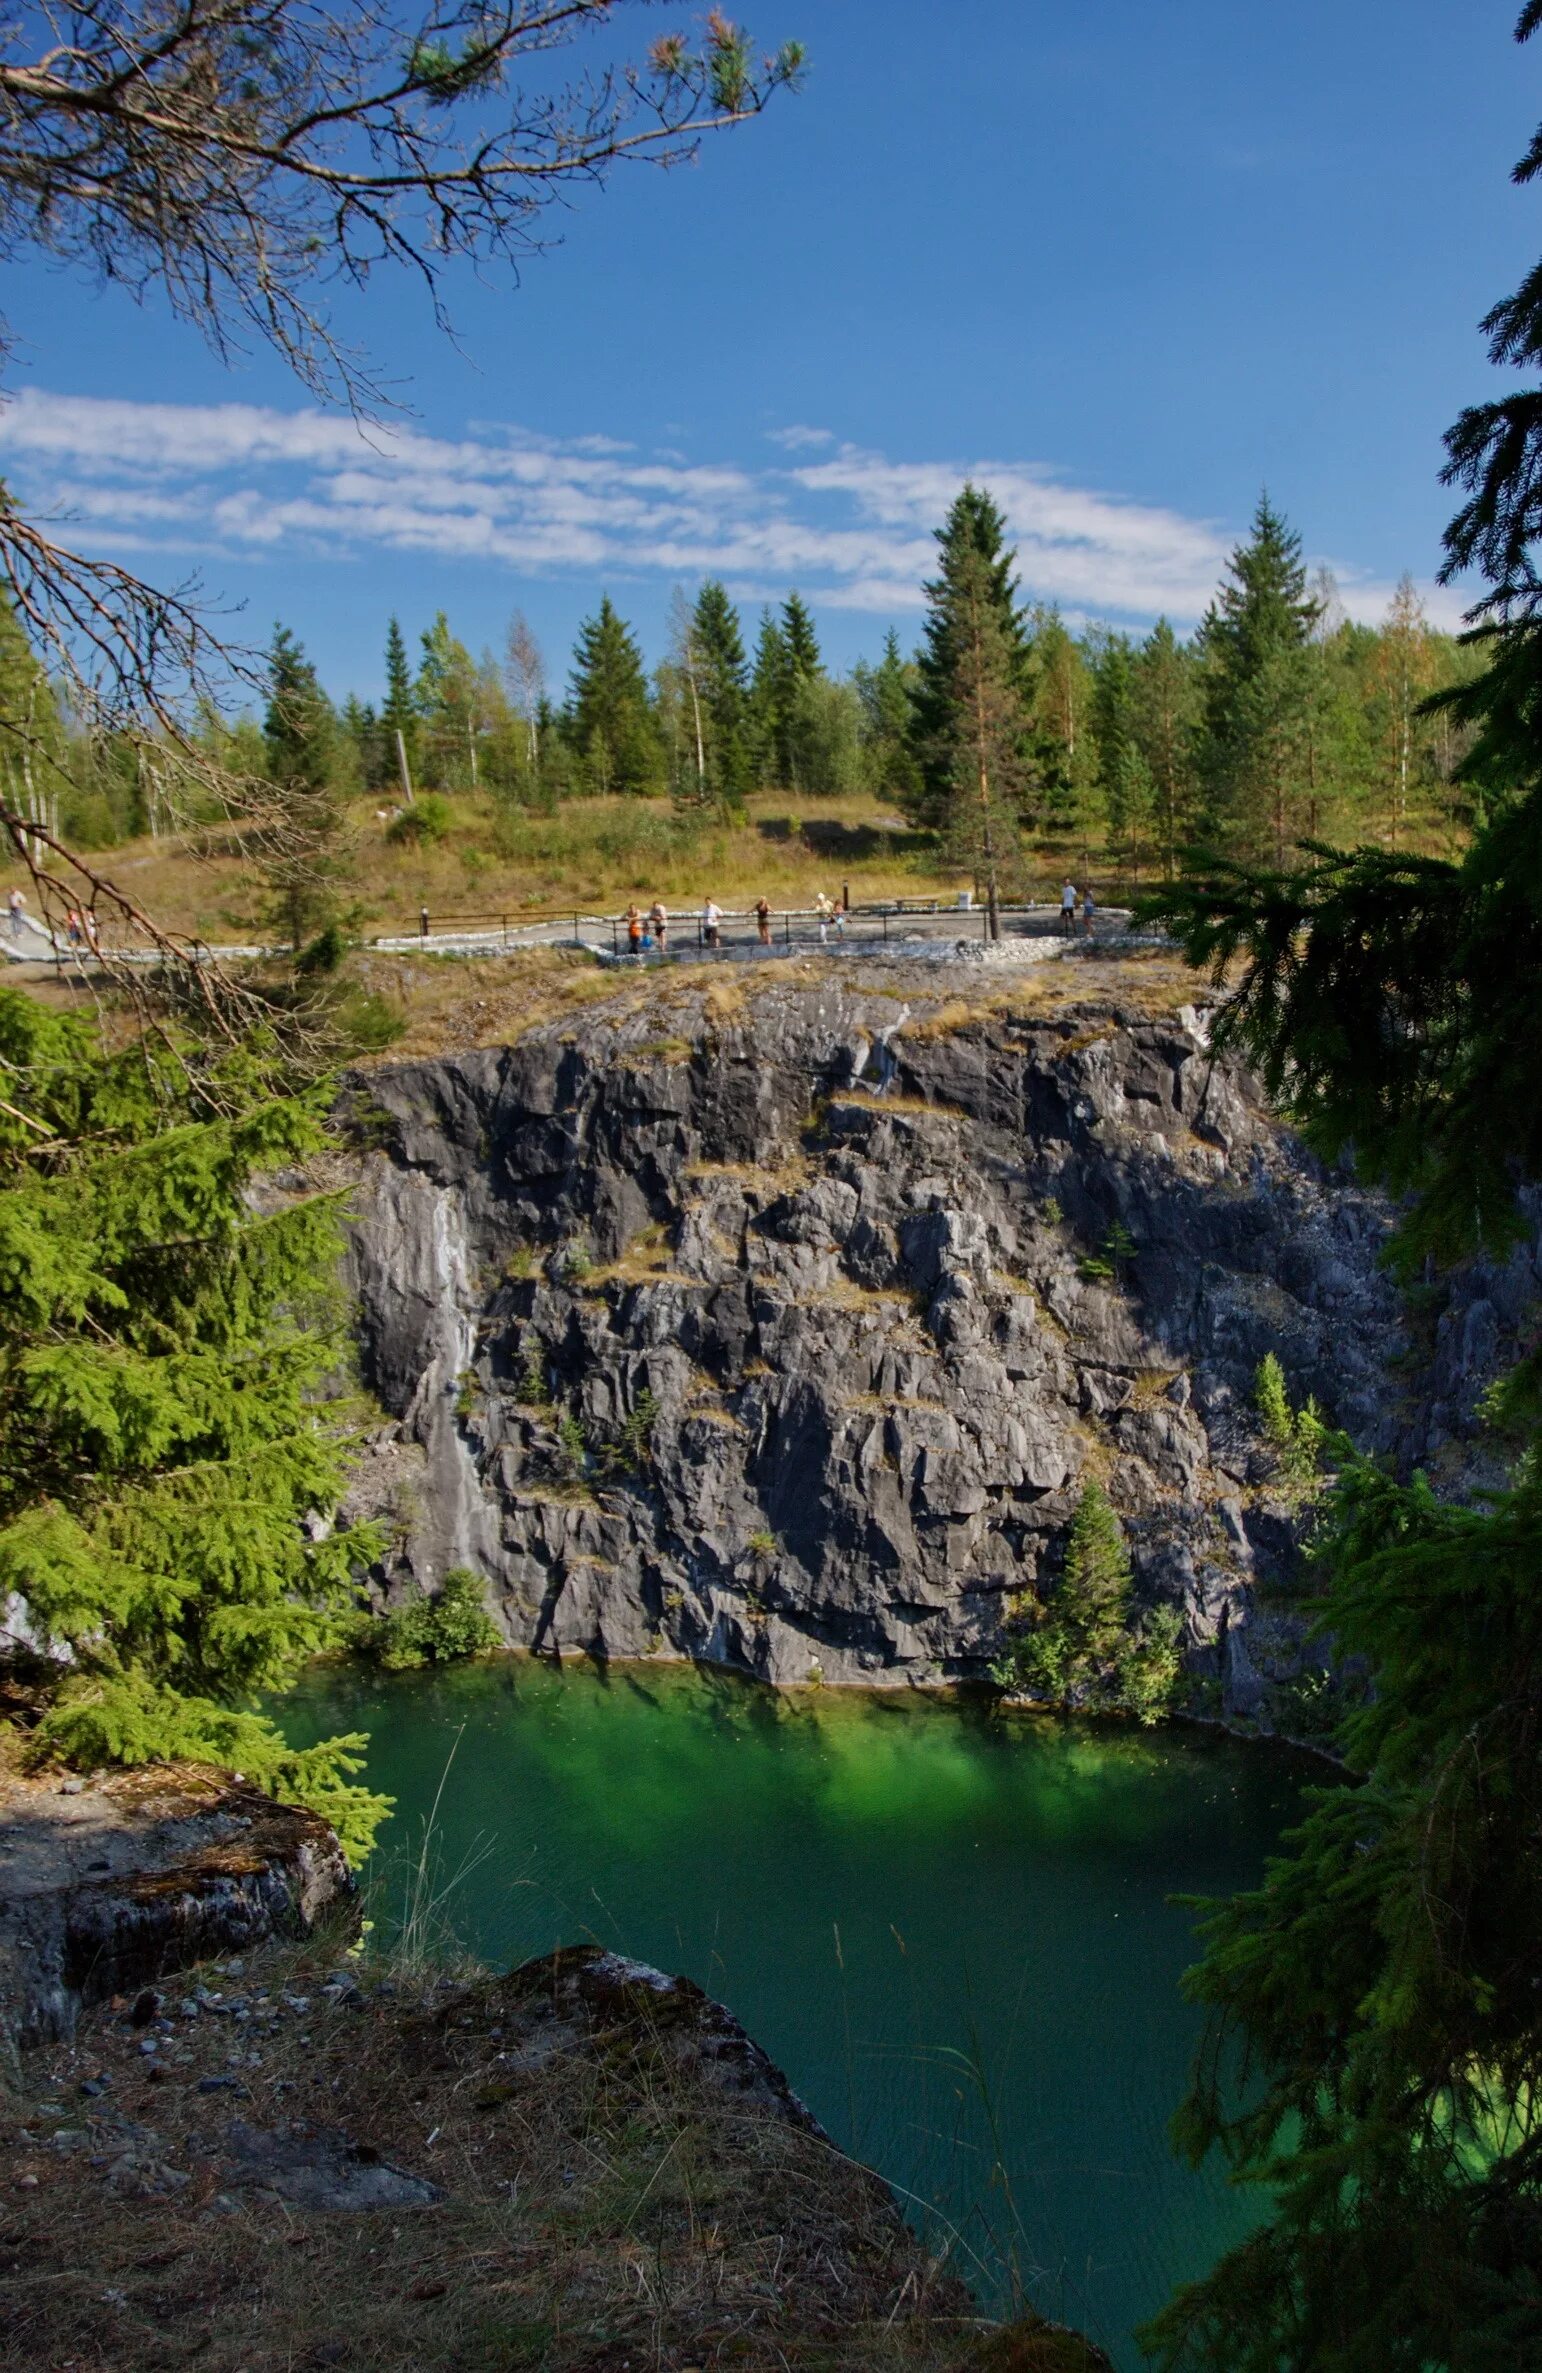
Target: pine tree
399,715
302,852
1258,689
725,694
979,752
971,545
166,1445
613,725
803,659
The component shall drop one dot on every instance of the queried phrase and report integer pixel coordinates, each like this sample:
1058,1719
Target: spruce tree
770,692
886,694
166,1446
801,721
1127,785
613,726
399,715
972,547
1258,691
1373,2062
1166,708
724,694
1062,740
303,850
979,750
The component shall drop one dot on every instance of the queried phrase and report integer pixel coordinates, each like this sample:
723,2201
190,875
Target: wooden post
401,760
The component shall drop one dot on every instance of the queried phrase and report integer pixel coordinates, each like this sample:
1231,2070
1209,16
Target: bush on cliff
445,1629
165,1449
1080,1648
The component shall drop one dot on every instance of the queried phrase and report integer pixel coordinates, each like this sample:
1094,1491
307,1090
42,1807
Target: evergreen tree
770,695
802,722
971,547
886,695
1258,692
1063,744
979,724
724,694
1164,692
1374,2058
1081,1647
372,763
165,1442
400,712
803,659
612,718
302,859
1129,792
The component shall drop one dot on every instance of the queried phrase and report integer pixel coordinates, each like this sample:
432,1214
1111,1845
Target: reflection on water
952,1931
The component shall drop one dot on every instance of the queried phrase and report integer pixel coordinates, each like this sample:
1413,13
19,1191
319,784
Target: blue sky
1125,262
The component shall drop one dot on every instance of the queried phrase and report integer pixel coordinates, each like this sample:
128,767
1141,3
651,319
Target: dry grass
608,2206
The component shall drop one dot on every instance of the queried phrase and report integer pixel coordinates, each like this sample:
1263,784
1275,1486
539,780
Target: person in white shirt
1068,909
711,920
16,906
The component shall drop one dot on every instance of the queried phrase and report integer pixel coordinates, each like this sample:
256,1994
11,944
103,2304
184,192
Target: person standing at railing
422,922
711,924
763,920
16,908
823,910
658,916
634,931
1068,909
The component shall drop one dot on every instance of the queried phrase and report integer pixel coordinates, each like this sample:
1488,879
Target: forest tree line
1280,721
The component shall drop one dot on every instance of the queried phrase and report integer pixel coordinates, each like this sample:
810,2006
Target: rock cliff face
789,1340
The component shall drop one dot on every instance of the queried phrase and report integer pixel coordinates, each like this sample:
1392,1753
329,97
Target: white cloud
799,439
852,529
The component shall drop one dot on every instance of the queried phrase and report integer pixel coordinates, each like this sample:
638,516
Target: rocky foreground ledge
105,1887
585,2166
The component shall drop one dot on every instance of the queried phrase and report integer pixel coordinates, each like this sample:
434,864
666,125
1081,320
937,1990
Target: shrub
445,1629
428,819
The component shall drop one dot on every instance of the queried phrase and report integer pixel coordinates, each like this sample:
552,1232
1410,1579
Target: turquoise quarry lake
953,1932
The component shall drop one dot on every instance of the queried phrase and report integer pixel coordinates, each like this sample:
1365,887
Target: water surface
953,1932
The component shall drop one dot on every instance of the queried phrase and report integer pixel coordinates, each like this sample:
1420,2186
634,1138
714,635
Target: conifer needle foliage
1374,2055
168,1461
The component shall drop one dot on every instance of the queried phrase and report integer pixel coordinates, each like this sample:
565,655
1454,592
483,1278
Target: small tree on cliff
165,1451
1081,1649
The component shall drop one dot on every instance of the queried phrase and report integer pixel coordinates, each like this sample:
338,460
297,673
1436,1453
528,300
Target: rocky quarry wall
774,1341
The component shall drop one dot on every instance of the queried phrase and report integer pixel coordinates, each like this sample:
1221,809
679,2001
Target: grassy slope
593,853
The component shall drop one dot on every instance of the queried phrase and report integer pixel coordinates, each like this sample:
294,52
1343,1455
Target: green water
952,1932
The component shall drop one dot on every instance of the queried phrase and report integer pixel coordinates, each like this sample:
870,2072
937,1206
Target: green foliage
1079,1649
631,1453
1113,1256
1297,1436
1258,680
1373,2057
974,633
429,819
612,721
303,851
446,1629
164,1439
572,1449
531,1387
